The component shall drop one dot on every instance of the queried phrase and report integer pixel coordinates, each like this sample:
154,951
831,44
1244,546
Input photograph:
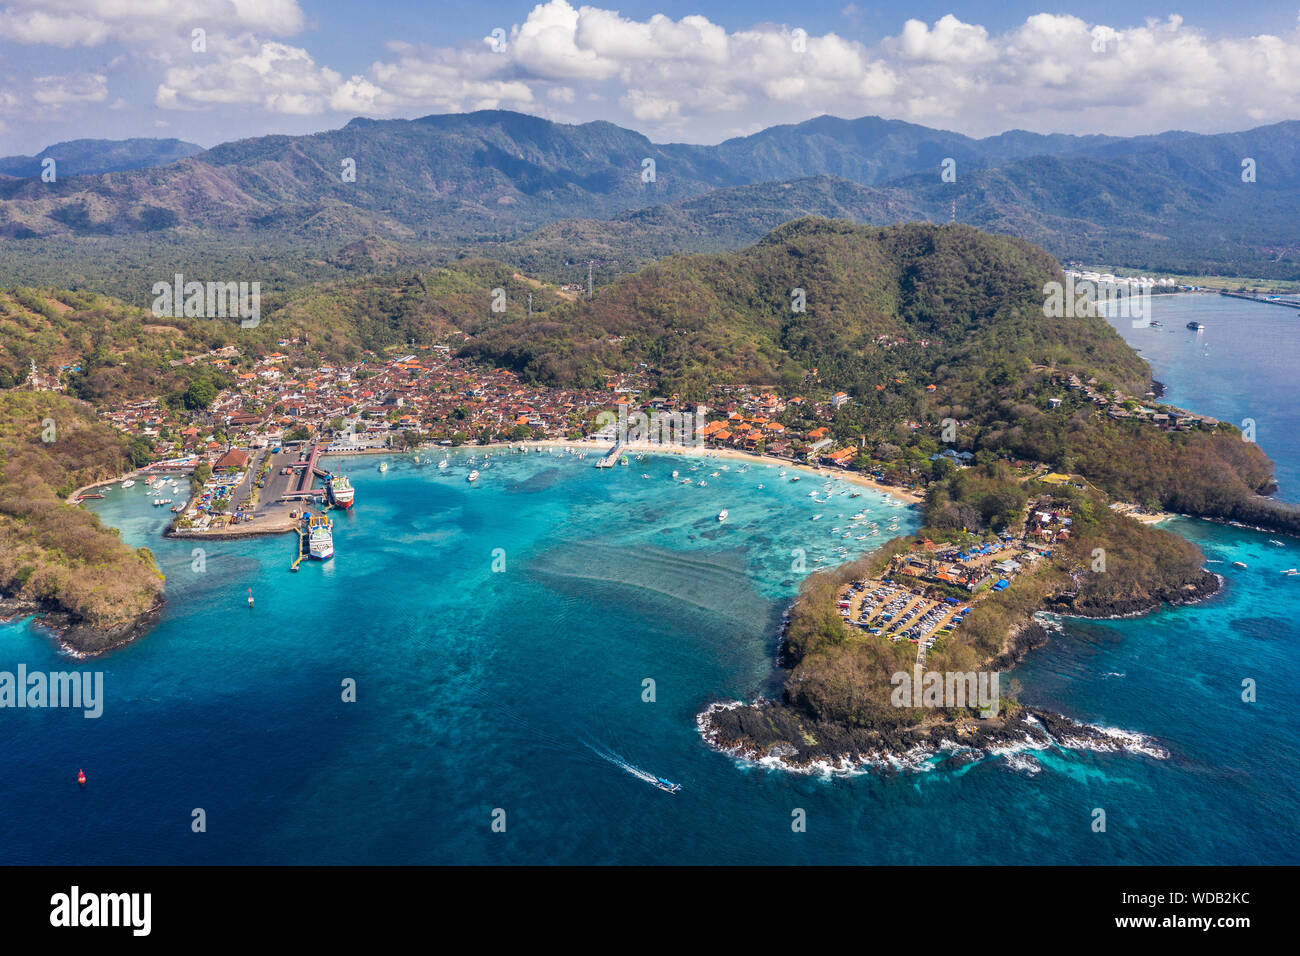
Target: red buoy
81,777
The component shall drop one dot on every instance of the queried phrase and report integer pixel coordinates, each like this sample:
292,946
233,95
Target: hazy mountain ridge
79,157
515,187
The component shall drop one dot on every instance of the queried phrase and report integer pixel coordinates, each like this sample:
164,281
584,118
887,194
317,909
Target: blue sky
675,70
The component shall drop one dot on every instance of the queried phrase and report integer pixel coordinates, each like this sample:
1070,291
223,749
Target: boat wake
631,768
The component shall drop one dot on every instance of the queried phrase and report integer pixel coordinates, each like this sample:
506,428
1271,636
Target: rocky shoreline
771,734
1206,586
775,734
76,637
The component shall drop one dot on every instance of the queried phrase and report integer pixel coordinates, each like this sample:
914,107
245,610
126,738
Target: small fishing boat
722,515
1277,543
128,483
1238,564
473,476
442,465
383,466
667,785
1291,571
674,472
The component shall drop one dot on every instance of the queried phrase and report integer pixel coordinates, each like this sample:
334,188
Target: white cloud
60,91
689,78
692,79
278,77
71,23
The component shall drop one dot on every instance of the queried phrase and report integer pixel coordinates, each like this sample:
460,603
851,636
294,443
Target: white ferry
320,539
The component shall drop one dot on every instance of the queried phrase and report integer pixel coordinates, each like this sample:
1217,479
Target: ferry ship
320,540
341,492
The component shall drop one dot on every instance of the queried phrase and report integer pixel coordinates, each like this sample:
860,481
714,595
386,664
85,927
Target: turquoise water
481,689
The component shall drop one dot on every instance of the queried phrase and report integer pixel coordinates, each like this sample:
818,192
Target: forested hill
918,324
952,304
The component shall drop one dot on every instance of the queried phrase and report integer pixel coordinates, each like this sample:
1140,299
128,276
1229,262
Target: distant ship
320,540
1196,326
341,493
473,476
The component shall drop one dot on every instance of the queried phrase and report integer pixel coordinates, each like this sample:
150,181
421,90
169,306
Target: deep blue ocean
482,689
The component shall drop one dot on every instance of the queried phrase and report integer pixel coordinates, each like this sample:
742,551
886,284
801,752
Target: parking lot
896,611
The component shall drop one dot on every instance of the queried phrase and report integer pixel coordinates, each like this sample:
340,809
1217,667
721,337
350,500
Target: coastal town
251,447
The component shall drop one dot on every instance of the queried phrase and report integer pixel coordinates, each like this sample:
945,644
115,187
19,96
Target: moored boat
473,476
341,493
722,515
320,537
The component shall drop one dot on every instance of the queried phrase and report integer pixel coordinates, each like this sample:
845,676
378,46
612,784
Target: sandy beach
686,451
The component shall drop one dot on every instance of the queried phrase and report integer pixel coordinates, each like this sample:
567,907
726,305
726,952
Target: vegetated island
959,596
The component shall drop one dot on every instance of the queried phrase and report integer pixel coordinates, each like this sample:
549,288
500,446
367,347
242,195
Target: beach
908,495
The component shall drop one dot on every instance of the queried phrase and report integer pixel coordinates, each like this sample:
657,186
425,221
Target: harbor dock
610,460
1267,300
303,546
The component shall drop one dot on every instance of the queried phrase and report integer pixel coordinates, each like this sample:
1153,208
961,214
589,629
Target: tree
199,395
941,468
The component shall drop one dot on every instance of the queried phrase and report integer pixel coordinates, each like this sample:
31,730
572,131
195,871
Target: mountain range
80,157
549,197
